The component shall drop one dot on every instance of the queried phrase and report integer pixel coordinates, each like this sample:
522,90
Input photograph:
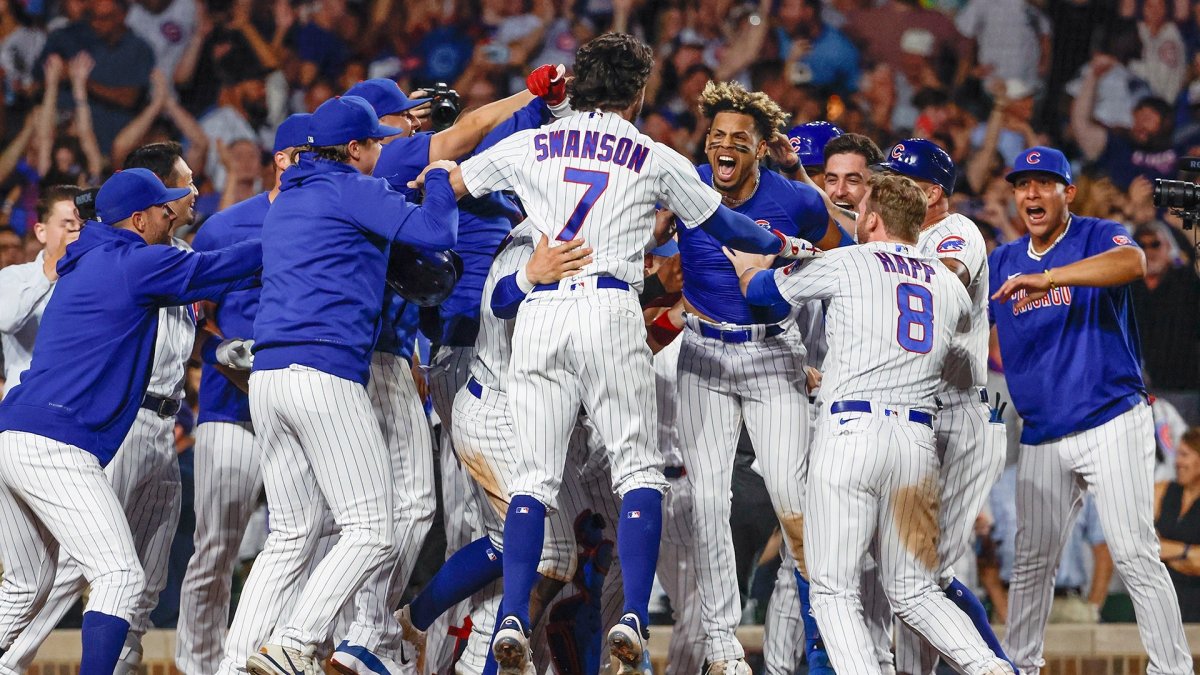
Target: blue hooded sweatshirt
95,347
326,242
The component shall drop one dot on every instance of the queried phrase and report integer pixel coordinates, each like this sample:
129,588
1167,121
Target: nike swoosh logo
843,420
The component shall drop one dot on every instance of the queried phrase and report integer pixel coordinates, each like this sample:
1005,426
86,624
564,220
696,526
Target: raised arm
470,129
12,154
79,69
131,135
749,40
197,140
1092,137
53,68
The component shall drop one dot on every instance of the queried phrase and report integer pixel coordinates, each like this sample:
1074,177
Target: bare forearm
1090,136
1115,267
1101,575
467,133
979,165
265,53
186,68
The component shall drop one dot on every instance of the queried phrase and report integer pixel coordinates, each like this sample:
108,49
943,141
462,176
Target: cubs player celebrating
596,354
740,361
970,445
329,234
227,473
1063,314
145,472
64,423
892,313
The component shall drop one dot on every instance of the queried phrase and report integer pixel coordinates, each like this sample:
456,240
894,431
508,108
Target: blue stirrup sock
103,639
812,633
524,534
638,536
463,574
962,596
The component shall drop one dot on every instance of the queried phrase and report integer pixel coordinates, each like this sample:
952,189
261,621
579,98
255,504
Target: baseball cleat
738,667
273,659
511,647
626,644
414,636
351,659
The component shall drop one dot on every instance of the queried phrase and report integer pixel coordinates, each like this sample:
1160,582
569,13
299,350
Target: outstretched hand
1036,286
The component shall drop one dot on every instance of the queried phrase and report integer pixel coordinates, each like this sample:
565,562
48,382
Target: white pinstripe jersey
955,236
493,345
891,316
594,175
172,346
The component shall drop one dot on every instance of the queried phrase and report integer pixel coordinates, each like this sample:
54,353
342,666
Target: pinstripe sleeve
496,168
813,279
680,188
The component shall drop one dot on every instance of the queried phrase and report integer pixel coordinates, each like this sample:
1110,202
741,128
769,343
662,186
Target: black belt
736,335
163,407
865,407
674,471
601,282
475,388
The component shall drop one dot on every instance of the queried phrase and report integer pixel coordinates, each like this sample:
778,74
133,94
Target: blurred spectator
167,26
1003,34
227,47
163,119
816,53
1105,89
319,44
241,114
1144,150
882,32
1166,303
1085,566
20,45
122,64
1177,518
12,251
242,160
916,72
1163,62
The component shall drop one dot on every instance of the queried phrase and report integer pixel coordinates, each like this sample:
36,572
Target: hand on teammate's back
418,183
551,264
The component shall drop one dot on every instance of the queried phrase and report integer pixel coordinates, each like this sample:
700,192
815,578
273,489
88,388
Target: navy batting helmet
922,160
808,140
422,276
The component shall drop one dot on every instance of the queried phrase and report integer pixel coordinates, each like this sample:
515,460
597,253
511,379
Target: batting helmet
422,276
808,140
922,160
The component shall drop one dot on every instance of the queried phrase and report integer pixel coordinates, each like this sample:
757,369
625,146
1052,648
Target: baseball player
891,316
64,423
227,475
320,446
145,472
740,362
1062,311
26,288
971,445
594,161
808,140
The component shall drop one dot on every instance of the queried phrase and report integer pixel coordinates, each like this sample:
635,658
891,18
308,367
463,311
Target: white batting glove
795,248
236,354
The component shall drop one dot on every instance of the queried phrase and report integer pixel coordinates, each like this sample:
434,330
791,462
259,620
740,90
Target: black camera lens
85,203
443,114
1176,194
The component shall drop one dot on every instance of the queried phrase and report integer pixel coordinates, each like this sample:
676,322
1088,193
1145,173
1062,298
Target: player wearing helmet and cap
227,474
970,440
321,450
808,140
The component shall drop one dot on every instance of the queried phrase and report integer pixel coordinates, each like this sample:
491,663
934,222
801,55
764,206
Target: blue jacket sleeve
435,223
763,290
739,232
164,276
532,116
507,297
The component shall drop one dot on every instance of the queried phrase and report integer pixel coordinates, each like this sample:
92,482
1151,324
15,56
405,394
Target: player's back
594,175
891,317
493,346
955,236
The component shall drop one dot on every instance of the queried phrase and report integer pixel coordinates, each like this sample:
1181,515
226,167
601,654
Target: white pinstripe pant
321,449
719,384
876,475
677,571
53,497
1115,462
583,347
228,485
971,452
145,478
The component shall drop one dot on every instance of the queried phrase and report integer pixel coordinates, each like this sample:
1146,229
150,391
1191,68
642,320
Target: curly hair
610,72
719,97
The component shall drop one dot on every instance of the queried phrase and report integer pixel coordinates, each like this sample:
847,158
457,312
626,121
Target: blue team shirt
398,326
95,347
1073,359
327,238
220,400
709,281
483,222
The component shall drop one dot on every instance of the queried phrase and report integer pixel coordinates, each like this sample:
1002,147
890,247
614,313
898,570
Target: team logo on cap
952,244
1033,157
794,141
898,151
1122,240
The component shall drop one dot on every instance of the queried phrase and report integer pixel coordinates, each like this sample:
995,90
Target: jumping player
1062,309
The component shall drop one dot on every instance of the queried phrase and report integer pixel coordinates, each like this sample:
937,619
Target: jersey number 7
914,326
597,182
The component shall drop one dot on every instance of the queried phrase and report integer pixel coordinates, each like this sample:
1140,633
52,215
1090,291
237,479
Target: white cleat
511,648
738,667
414,636
627,645
273,659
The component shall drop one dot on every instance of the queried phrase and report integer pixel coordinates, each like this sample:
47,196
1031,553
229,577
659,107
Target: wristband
662,330
1051,279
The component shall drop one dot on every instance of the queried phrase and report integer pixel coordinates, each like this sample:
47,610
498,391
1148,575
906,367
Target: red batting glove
549,83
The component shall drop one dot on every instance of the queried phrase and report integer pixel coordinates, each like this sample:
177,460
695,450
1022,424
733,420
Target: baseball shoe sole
273,659
626,645
511,647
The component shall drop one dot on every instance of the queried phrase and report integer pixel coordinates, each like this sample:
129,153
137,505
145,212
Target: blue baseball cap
130,191
385,96
343,119
292,132
1042,160
808,140
922,160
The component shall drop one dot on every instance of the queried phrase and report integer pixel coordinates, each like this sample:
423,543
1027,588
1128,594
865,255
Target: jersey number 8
914,326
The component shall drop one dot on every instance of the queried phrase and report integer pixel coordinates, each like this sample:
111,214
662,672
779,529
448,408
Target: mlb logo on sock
491,555
635,514
522,509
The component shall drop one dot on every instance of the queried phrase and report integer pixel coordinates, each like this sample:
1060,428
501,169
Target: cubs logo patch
952,244
898,151
765,224
1122,240
794,141
1033,157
